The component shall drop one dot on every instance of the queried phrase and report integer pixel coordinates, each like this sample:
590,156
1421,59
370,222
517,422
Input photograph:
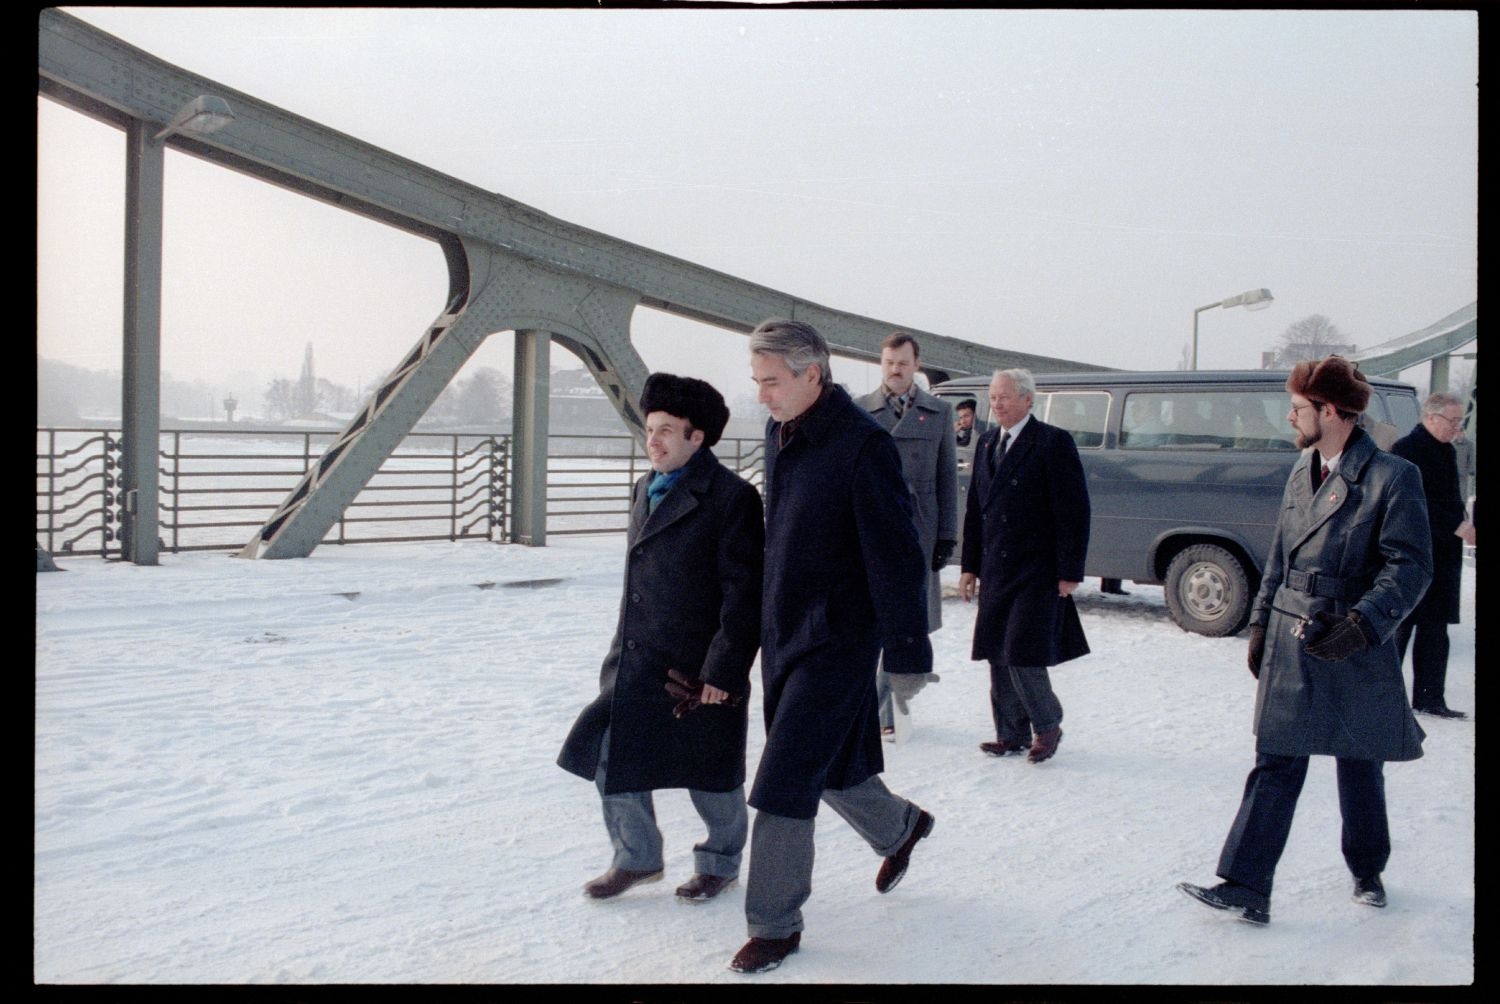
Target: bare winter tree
483,398
281,399
1313,337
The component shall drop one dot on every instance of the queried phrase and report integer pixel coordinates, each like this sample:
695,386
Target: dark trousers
1260,830
1429,660
1022,701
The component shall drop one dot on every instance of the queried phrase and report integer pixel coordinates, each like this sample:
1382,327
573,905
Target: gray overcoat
929,463
1360,541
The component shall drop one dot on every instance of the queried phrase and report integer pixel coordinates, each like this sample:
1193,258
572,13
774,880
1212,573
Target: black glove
1257,648
905,686
941,552
689,692
1343,636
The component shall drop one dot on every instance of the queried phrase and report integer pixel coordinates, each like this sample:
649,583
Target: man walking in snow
1350,559
844,579
1026,531
671,707
918,422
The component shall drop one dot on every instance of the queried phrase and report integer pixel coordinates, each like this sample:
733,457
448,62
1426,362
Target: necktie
1001,447
1320,474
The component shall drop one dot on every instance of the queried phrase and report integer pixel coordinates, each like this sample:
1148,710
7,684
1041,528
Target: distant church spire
307,385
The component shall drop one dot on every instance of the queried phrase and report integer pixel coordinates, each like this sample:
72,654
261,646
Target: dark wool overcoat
844,578
692,603
1360,541
1438,464
1027,528
929,463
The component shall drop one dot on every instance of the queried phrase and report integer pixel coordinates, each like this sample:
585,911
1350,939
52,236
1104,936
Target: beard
1304,440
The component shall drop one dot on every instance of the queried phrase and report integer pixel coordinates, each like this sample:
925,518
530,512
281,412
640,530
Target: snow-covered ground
340,769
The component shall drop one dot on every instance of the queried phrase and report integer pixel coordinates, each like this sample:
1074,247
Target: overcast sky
1072,183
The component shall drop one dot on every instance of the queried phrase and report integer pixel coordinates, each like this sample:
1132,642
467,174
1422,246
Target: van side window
1404,411
1206,420
1083,414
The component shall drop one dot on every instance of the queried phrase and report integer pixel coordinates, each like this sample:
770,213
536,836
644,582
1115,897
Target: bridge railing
219,486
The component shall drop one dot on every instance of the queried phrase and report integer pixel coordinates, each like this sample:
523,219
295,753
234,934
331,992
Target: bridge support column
533,382
1438,379
140,404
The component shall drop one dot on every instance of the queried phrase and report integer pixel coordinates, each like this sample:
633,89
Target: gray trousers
883,697
1022,702
630,821
781,851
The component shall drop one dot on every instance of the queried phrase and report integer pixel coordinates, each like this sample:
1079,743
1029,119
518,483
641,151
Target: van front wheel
1208,591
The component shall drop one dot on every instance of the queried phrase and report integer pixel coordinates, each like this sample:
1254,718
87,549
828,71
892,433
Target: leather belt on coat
1328,586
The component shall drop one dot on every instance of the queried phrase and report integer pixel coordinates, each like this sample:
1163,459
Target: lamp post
1252,299
204,114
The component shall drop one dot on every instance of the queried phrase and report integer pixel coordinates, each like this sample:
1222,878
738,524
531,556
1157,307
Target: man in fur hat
671,710
1350,559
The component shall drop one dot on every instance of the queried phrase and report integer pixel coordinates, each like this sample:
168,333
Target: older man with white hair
1026,533
1430,447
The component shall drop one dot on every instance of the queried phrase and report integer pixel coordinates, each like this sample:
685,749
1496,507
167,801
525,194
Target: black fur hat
689,398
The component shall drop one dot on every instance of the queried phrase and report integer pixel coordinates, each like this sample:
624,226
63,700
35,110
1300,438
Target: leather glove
941,552
905,686
1257,648
1344,636
689,693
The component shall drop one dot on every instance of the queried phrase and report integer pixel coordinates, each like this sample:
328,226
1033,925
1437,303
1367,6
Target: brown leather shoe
616,881
893,867
1004,747
701,888
1044,746
761,955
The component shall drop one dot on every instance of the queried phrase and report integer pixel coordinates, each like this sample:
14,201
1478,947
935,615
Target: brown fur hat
1334,381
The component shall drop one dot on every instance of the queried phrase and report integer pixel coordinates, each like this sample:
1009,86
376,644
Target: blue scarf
659,486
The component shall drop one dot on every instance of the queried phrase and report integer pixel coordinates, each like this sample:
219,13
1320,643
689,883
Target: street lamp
1251,299
204,114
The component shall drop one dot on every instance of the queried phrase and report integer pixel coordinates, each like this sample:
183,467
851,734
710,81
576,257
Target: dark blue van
1185,472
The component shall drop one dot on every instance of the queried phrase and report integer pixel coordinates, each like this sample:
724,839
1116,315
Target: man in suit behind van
1026,531
919,423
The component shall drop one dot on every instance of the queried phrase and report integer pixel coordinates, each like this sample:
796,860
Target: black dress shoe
893,867
1438,711
1044,746
760,955
1005,747
701,888
616,881
1252,907
1369,891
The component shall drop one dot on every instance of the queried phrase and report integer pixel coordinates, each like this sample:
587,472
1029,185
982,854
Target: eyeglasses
1455,421
1311,404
